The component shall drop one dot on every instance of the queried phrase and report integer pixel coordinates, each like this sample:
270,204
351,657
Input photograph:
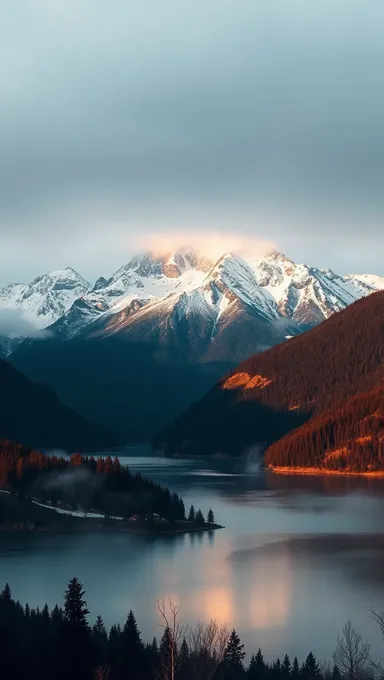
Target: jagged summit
47,297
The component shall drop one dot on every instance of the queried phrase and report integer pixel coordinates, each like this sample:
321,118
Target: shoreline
108,529
318,472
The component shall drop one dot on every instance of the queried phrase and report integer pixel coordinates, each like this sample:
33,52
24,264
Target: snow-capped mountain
306,294
194,317
203,310
233,309
46,298
372,280
144,278
138,348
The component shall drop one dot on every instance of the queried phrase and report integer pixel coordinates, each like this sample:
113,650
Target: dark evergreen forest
102,485
61,644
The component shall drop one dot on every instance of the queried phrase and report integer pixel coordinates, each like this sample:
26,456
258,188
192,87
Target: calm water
297,558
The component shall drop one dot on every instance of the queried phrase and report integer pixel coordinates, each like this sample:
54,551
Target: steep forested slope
313,378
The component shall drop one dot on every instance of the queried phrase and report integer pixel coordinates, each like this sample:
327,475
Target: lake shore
322,472
113,528
33,515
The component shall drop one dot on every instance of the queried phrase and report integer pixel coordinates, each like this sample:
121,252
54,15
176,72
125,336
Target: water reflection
297,558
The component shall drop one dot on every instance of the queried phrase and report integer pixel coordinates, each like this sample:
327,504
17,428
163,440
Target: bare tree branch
176,631
207,644
352,653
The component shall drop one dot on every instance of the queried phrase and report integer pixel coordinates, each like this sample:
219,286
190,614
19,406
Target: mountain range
135,350
191,307
316,401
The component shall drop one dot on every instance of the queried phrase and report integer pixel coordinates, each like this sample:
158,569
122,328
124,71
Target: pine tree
191,514
257,667
200,518
286,668
114,648
183,660
133,648
210,517
295,669
75,608
276,670
310,667
165,653
100,642
181,509
154,657
6,595
75,643
234,656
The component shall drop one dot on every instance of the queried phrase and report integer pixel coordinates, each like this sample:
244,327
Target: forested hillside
329,378
100,485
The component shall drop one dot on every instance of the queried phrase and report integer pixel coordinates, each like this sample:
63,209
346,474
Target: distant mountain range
191,307
133,351
316,401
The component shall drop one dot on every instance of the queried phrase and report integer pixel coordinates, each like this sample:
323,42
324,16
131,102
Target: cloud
211,244
123,112
14,325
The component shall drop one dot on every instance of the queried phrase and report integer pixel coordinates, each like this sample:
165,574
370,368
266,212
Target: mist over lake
297,558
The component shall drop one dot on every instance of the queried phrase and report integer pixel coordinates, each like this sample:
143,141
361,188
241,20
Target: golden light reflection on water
222,589
271,593
217,603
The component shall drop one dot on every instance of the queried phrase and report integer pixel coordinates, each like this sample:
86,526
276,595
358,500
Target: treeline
102,484
348,439
42,644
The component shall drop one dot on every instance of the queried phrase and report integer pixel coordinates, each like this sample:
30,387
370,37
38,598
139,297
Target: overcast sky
263,118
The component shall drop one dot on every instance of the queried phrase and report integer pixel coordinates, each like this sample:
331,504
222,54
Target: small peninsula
51,493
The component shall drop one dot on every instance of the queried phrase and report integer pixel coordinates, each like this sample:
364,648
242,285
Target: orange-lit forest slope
314,401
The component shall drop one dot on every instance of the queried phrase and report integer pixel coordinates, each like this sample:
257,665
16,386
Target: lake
297,558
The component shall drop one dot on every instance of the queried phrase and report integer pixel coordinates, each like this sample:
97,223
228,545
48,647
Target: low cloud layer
14,325
211,244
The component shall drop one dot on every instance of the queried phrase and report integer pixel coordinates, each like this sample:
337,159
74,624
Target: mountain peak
276,256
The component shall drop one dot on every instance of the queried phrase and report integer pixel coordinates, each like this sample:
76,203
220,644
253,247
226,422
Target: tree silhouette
310,667
295,669
200,518
210,517
100,642
133,648
75,608
75,635
286,668
234,656
257,668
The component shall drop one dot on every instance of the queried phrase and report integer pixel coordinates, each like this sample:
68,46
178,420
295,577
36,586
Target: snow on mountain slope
189,322
373,281
183,299
306,294
46,298
146,277
150,276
